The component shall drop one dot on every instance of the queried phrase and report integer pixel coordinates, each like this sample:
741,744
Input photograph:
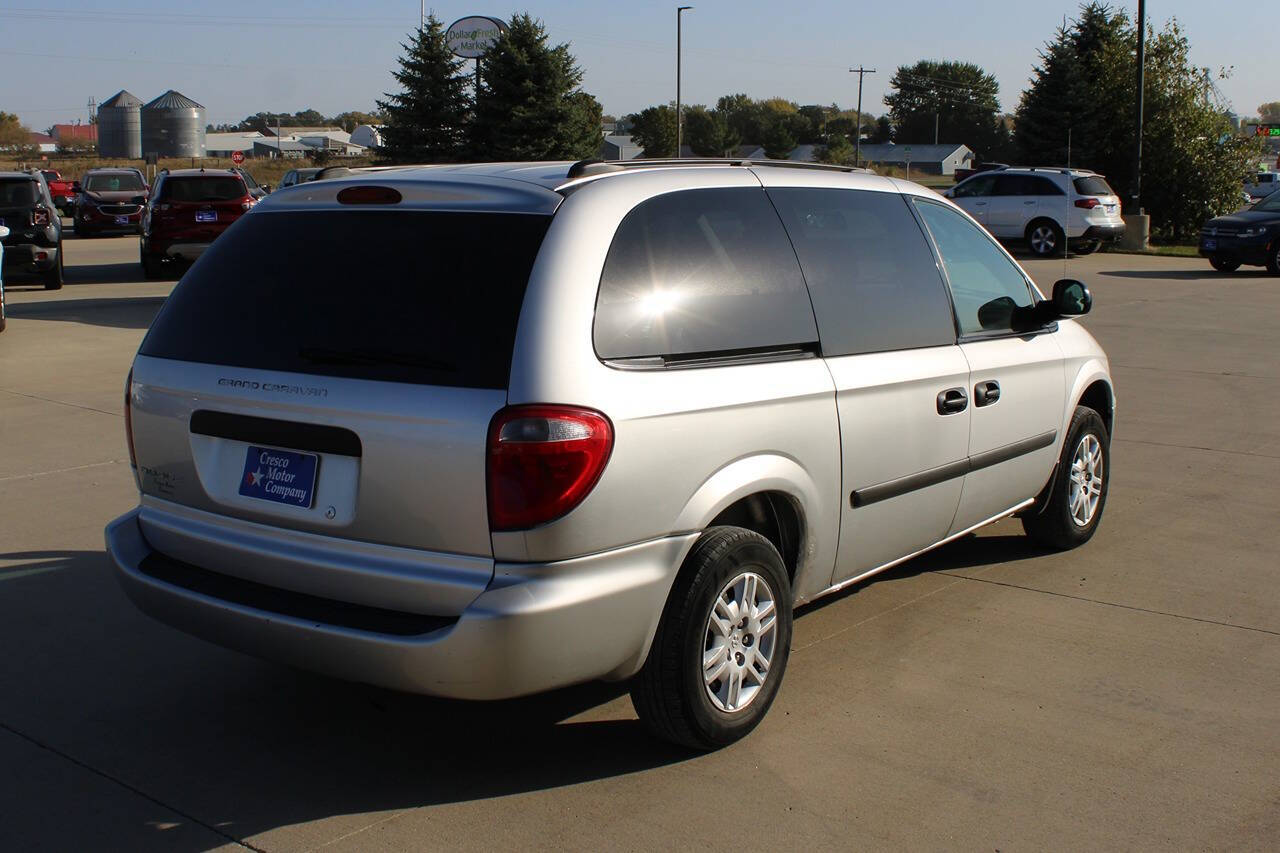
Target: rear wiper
364,355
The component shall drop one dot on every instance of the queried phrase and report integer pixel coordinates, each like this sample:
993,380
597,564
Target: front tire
1223,264
1079,491
1045,238
721,648
1273,258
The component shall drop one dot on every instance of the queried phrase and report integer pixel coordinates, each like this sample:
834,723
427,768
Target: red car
189,208
63,191
110,200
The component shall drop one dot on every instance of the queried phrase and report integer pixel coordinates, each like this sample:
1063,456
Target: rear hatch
197,208
334,371
1107,206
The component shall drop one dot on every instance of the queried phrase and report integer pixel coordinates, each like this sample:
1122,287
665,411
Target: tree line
267,122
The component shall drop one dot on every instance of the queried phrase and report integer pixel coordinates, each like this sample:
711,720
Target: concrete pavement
1124,695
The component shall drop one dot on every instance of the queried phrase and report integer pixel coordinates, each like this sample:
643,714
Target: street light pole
857,132
679,116
1135,192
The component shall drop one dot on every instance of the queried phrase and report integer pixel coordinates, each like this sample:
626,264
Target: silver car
481,431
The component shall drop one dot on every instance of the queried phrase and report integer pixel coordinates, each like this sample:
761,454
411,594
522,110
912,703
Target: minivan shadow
124,312
968,552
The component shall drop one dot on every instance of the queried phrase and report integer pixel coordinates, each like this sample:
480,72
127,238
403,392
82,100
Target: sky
238,58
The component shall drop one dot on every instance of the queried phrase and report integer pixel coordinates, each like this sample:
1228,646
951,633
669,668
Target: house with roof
942,159
616,147
223,145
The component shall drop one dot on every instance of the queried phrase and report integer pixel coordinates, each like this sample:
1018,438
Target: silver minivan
480,431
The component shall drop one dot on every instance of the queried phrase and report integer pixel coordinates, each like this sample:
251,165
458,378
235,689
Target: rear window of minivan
401,296
204,188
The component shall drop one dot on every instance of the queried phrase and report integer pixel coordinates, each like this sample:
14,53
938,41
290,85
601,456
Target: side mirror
266,188
1071,298
948,194
76,188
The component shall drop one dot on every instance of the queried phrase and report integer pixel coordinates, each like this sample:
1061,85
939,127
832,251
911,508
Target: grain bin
173,125
120,126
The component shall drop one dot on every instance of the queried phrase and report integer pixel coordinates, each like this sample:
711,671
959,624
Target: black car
34,242
1250,236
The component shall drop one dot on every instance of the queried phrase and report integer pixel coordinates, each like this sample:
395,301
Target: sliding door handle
986,393
952,401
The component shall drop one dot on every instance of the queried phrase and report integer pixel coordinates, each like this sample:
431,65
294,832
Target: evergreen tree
708,134
1192,162
426,122
530,106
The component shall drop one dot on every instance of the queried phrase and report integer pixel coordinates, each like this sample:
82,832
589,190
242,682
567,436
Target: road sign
237,157
469,38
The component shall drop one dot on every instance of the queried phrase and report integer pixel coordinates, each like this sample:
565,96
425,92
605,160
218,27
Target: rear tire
53,278
721,649
1045,238
150,267
1223,264
1079,491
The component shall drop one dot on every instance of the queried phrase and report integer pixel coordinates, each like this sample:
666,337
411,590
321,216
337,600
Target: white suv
1046,206
484,430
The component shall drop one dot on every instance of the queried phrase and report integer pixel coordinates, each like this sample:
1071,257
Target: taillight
39,216
128,419
543,461
1087,203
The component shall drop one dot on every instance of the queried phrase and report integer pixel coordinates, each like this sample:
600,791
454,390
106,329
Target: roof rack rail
1066,170
591,167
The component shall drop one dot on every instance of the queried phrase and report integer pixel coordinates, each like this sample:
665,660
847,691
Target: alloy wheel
1086,480
740,642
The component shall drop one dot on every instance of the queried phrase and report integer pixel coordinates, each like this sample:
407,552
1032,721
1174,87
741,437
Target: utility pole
935,127
857,133
1135,191
679,115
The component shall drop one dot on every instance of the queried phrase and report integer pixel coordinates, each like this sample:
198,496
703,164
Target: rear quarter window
701,273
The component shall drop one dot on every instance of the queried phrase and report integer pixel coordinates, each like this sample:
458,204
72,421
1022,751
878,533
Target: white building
368,135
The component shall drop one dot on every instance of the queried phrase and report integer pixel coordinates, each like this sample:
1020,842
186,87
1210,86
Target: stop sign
237,157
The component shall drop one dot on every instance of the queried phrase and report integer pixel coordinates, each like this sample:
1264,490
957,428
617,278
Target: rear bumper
533,628
1103,232
26,257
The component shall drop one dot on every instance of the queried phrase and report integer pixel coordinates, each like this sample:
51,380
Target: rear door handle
952,400
986,393
1030,202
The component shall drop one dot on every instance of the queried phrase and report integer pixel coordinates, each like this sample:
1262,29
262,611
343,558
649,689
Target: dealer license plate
1209,244
122,220
206,216
282,476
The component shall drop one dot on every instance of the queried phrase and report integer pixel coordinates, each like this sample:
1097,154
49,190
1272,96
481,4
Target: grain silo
120,126
173,126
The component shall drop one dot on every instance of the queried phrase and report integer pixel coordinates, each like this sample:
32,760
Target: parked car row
1247,237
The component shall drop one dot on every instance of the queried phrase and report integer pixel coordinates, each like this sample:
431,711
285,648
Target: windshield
1270,204
124,182
204,189
17,193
